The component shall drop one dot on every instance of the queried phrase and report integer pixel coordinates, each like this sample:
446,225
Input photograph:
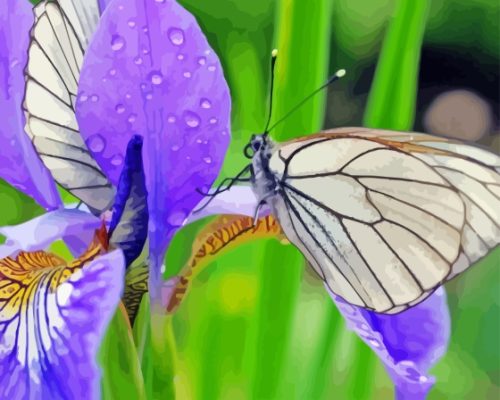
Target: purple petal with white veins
150,71
19,163
38,233
48,351
408,343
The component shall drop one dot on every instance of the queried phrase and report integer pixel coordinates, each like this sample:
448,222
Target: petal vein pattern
47,346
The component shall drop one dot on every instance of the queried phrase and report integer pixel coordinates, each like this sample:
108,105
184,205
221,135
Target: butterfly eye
256,145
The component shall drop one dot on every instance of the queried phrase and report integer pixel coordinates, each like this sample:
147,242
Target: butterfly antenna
339,74
274,56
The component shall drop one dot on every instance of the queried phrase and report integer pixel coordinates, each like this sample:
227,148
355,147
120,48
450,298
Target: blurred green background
258,324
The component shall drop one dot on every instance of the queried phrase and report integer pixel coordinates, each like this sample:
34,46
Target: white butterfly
383,217
59,38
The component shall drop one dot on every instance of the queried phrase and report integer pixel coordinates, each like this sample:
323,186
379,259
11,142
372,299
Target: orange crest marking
222,235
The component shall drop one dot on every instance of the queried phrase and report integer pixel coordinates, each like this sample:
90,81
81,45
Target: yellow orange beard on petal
21,277
223,234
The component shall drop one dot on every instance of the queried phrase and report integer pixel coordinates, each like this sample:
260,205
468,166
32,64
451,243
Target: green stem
392,99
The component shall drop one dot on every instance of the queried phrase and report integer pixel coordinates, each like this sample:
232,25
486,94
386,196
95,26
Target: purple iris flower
174,100
155,75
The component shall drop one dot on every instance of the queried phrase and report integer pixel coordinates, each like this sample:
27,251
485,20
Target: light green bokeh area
257,323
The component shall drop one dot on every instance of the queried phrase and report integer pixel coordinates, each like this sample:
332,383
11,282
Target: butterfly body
383,217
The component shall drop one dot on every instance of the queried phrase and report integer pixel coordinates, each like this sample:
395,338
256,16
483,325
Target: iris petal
47,345
40,232
153,73
19,163
408,343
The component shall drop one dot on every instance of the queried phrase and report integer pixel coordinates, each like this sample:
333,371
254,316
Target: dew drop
116,160
177,218
211,68
213,120
202,60
160,1
112,72
175,148
191,119
171,119
199,141
96,143
145,50
128,96
120,108
83,98
138,60
131,23
132,118
187,74
207,160
180,57
156,78
149,96
207,52
176,36
117,42
143,86
205,103
145,29
94,98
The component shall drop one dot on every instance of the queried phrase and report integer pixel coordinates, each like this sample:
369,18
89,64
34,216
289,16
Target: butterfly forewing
386,217
58,40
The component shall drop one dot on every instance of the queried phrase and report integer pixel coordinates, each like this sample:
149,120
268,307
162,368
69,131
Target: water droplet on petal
145,50
149,96
138,60
180,57
171,119
191,119
202,60
116,160
207,160
156,78
131,23
187,74
211,68
96,143
175,148
143,86
83,98
94,98
205,103
160,1
120,108
176,36
199,141
112,72
128,96
223,133
117,42
132,118
213,120
207,52
177,218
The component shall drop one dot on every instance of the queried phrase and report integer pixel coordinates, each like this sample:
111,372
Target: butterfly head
256,145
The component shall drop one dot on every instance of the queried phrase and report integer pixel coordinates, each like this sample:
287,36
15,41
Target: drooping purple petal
237,200
151,71
129,224
19,163
408,343
38,233
49,339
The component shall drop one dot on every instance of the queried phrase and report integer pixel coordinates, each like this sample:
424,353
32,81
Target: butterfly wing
59,38
386,217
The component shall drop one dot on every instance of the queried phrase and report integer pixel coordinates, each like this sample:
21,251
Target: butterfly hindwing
58,41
